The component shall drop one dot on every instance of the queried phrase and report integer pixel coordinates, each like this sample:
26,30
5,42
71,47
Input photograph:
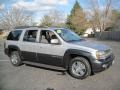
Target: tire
15,58
79,68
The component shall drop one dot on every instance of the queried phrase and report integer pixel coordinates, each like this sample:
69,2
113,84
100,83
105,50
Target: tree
53,18
115,20
101,17
46,21
76,20
57,17
13,17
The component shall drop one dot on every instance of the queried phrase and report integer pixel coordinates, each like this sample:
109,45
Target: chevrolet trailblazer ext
57,48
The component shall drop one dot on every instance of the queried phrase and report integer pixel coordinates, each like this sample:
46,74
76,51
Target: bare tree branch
14,17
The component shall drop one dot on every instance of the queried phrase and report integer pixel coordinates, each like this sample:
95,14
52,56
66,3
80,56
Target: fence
108,35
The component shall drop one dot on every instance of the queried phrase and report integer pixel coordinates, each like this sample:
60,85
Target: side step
44,65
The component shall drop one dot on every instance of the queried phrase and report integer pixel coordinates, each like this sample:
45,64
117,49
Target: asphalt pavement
34,78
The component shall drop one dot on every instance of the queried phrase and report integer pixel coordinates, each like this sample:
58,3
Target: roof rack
22,27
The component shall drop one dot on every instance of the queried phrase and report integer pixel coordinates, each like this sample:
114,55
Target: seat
53,37
43,39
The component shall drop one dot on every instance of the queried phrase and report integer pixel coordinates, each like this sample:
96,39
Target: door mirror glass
54,41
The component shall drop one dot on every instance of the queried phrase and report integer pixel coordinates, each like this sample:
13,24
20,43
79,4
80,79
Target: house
89,32
3,32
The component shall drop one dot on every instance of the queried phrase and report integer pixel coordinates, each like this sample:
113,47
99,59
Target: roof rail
22,27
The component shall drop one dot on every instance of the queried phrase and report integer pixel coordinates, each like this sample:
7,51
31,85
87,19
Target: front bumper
101,65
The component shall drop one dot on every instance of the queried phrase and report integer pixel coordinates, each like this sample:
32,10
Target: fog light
104,65
113,62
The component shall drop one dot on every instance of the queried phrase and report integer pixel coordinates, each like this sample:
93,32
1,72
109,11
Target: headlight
100,55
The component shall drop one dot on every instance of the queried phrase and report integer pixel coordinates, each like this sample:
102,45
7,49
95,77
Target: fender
69,52
13,47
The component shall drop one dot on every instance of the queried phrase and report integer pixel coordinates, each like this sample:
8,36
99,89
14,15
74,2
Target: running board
44,65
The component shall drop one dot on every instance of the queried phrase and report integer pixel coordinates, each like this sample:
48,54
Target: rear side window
14,35
30,36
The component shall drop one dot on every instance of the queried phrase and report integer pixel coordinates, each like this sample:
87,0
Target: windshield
68,35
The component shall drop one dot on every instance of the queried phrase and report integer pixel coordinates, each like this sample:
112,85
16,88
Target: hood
91,44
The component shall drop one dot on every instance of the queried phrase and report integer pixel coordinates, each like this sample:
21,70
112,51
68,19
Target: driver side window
47,36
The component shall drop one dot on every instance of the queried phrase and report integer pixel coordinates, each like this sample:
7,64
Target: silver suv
57,48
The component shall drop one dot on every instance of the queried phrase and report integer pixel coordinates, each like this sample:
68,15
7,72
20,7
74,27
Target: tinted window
68,35
30,36
14,35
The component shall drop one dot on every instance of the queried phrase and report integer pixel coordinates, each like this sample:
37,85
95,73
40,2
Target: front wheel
15,58
79,68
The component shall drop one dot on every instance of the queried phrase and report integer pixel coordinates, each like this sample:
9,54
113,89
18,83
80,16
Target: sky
41,7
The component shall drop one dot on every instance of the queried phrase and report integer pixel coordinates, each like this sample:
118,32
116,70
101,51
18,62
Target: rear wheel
79,68
15,58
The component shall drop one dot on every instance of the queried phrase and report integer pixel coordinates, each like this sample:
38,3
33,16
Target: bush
80,31
109,29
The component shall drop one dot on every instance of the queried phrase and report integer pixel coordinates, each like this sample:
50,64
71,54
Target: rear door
29,45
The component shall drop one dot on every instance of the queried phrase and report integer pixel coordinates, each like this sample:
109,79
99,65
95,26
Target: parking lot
28,77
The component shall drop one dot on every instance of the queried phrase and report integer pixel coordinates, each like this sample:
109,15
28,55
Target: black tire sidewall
85,62
19,62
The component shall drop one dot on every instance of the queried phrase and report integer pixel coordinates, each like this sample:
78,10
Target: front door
48,53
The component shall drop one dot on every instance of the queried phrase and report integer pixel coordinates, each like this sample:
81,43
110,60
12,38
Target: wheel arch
72,53
12,48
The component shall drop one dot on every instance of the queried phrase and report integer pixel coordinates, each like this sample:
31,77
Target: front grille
109,58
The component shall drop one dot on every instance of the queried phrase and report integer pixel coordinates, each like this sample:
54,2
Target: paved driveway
34,78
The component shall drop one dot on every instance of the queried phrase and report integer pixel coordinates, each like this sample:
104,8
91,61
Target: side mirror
54,41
